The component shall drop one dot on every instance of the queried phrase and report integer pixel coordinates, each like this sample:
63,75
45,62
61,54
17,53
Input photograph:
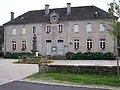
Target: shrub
90,56
1,54
109,56
10,55
69,55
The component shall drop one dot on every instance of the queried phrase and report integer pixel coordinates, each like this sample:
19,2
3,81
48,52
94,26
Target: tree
114,27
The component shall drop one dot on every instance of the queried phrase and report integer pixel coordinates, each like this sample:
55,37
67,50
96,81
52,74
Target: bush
69,55
1,54
10,55
90,56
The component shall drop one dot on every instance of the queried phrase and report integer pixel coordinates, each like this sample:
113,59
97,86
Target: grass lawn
83,78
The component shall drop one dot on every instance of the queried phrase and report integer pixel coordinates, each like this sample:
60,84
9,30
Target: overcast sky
21,6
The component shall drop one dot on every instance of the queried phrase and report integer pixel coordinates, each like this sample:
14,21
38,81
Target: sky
19,7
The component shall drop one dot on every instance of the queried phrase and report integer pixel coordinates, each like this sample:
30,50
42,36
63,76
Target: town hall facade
59,30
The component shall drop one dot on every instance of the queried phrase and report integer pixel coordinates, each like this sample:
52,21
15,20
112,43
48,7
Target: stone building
59,30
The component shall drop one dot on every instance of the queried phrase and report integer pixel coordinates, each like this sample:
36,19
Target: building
1,37
59,30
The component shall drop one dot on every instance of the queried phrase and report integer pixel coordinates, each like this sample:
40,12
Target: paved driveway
18,85
10,72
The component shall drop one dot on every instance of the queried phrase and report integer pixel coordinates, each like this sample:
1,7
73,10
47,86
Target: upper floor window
76,28
23,45
89,44
13,45
23,30
48,41
60,28
102,27
60,41
102,43
89,27
34,29
76,44
48,28
14,31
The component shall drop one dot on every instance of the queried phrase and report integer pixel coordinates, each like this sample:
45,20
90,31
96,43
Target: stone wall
79,69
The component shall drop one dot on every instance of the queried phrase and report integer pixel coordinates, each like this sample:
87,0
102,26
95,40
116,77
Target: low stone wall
78,69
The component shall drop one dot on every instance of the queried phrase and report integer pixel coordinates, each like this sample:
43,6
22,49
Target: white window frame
89,27
60,28
14,31
76,28
23,46
76,44
48,31
23,30
102,44
102,27
89,43
14,45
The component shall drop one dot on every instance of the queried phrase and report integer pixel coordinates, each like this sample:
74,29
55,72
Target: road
10,72
21,85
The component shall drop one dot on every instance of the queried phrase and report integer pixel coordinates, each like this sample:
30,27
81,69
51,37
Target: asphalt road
21,85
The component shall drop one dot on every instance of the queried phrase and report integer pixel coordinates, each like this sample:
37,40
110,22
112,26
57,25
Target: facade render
59,30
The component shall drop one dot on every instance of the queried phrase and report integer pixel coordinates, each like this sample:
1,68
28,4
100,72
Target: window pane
48,29
76,28
14,32
88,27
60,28
34,30
102,27
24,30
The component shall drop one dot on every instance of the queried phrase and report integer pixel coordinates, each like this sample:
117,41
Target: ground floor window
76,44
102,43
23,45
89,44
13,45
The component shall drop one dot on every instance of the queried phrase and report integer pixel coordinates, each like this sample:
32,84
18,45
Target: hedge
90,56
10,55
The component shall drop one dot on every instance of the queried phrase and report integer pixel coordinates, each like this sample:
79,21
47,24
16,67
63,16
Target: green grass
84,78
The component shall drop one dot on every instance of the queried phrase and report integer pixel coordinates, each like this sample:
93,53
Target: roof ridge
63,8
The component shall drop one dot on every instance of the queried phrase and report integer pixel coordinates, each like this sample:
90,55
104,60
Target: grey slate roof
77,13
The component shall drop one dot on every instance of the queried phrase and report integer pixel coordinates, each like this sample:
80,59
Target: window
13,45
88,27
60,41
102,27
76,28
48,28
14,31
48,41
34,30
23,45
24,30
102,43
89,44
60,28
76,44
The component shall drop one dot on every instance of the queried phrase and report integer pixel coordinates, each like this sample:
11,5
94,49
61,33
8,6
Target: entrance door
60,47
48,47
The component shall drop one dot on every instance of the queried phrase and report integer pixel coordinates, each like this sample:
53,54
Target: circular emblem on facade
54,17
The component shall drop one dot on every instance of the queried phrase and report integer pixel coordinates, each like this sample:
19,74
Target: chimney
46,9
68,8
12,15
